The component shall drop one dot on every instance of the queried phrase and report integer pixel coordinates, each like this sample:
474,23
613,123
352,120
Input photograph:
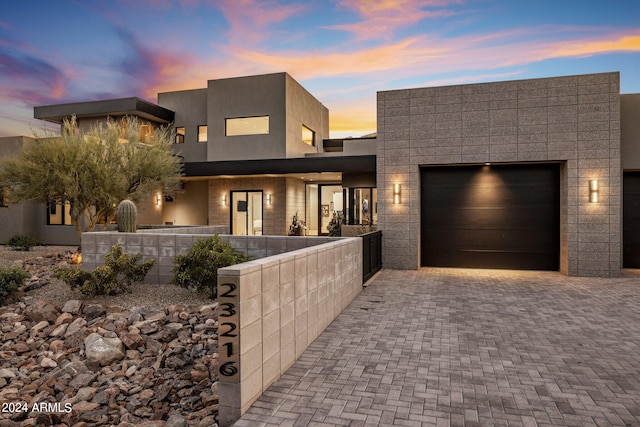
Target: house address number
228,331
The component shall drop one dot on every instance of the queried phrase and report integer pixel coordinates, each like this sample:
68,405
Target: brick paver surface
469,347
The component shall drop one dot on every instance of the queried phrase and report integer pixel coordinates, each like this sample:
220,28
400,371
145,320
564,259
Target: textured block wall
573,120
164,244
272,309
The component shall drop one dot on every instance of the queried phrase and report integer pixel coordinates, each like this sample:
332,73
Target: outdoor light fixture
268,199
396,193
593,191
224,200
158,199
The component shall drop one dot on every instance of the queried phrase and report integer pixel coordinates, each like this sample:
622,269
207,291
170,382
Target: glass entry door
246,213
330,201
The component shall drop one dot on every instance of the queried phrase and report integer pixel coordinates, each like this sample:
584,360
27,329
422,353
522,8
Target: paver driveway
470,347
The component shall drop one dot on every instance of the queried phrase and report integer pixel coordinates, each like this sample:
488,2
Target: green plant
335,225
120,271
74,277
11,279
198,268
127,215
23,242
297,226
94,168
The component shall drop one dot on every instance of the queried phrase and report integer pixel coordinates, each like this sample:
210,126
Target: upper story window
180,135
202,134
247,126
308,136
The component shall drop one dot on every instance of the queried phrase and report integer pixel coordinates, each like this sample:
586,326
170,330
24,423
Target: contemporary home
531,174
256,152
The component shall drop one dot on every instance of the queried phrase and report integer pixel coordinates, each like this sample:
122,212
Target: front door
246,213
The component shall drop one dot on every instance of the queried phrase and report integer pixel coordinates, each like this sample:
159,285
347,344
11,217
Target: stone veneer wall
272,309
574,120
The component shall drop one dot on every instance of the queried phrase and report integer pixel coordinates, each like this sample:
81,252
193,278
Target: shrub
10,280
23,242
198,268
74,277
120,271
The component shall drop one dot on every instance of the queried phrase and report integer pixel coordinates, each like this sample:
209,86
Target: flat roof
110,107
348,164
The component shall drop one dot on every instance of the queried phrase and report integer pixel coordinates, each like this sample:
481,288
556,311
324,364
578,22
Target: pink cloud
624,43
382,18
249,19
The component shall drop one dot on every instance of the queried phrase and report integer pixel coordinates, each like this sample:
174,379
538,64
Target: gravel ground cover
151,296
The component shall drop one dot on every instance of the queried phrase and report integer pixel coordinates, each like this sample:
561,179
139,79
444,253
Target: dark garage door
498,216
631,220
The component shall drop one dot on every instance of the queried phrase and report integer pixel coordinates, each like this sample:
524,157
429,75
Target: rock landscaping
88,364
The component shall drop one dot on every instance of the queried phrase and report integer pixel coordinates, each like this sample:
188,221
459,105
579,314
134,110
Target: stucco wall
246,97
189,207
304,109
11,217
190,107
574,120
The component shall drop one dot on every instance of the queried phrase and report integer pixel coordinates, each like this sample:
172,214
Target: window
247,126
4,197
308,136
180,135
146,133
58,213
123,134
202,134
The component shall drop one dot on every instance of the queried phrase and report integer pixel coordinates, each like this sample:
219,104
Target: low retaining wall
199,229
271,309
164,244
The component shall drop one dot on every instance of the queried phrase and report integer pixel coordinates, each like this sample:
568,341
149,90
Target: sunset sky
342,51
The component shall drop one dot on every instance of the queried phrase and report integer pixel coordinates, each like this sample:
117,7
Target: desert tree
93,170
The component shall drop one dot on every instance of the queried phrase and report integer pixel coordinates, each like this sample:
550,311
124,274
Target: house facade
256,153
530,174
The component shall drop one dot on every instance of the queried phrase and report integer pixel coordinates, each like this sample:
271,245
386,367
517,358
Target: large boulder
103,350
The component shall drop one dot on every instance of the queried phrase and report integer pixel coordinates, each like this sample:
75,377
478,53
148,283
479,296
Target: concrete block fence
169,229
271,309
164,244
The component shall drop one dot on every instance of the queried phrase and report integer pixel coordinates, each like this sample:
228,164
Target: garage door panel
631,220
497,259
489,239
504,216
486,218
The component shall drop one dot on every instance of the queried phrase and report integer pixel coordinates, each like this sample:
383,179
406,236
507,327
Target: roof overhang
344,164
111,107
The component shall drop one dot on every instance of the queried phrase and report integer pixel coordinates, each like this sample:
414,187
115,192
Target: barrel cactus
127,216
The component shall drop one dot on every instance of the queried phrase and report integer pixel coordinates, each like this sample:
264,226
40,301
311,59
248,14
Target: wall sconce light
593,191
397,188
268,199
158,199
224,200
